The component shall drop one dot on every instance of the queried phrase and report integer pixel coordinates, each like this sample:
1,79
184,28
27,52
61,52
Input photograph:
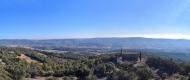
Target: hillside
63,66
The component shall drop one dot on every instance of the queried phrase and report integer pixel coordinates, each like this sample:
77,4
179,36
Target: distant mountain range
109,43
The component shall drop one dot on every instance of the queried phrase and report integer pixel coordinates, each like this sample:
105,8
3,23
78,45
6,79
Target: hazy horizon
153,37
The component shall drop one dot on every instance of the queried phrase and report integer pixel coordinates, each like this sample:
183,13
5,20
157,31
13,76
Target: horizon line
93,38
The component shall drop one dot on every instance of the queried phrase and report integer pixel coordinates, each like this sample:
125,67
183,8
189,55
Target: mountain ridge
112,43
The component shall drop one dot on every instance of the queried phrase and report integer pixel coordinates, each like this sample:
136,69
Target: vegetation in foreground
25,64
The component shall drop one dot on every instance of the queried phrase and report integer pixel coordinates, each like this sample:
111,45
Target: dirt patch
27,59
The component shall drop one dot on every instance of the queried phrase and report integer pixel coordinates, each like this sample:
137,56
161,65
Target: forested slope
53,66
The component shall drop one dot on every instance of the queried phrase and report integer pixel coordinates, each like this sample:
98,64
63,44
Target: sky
49,19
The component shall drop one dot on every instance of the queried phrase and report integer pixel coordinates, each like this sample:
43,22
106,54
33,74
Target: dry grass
27,59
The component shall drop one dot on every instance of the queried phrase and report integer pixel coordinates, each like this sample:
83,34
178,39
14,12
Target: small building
129,57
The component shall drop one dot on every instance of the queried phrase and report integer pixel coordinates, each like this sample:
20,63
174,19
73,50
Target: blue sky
44,19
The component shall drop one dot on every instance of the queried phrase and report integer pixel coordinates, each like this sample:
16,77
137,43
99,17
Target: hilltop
26,64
